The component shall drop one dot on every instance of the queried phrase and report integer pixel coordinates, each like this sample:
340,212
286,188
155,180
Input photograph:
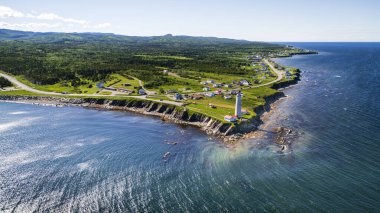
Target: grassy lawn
182,83
217,113
159,97
119,81
19,93
88,88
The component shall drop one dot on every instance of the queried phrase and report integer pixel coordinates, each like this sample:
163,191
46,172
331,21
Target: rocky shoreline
228,132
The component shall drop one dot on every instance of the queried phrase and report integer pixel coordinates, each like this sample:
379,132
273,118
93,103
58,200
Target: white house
217,85
230,118
245,82
218,92
210,81
210,94
227,97
206,89
228,85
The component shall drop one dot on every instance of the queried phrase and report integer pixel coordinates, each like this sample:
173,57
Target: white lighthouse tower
238,105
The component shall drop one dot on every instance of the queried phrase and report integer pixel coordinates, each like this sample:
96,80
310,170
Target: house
218,92
110,88
230,118
165,71
178,97
288,74
210,81
227,97
209,94
171,91
228,85
196,96
227,93
100,85
206,89
217,85
212,105
124,90
204,83
141,92
234,92
256,59
245,82
244,112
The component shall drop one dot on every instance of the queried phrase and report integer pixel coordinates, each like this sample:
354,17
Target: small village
212,93
227,98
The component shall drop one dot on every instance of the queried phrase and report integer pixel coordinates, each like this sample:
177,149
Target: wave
14,124
18,113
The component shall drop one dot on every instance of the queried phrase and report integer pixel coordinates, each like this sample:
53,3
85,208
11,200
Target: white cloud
52,17
7,12
60,21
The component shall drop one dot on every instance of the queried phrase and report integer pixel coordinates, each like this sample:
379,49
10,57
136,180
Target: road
30,89
142,86
279,76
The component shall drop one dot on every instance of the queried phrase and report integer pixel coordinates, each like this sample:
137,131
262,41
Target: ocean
82,160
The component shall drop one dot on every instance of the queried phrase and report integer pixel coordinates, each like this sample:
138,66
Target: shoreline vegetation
186,80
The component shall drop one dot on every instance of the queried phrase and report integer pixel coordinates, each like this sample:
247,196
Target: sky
265,20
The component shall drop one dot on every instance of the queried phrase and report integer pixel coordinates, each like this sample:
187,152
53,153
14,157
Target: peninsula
191,80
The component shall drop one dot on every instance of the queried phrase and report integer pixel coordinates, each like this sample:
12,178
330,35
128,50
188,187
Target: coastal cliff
167,112
229,132
284,84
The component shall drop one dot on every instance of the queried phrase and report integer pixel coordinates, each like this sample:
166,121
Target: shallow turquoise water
73,159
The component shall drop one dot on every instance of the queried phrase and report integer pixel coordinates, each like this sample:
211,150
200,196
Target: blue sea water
80,160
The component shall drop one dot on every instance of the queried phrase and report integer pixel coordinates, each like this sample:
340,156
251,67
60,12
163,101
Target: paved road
30,89
279,76
26,87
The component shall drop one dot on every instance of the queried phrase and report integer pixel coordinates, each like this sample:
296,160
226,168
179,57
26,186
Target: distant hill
6,34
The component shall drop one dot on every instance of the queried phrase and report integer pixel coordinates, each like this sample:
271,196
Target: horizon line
205,36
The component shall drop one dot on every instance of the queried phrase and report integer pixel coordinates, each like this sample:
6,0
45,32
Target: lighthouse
238,105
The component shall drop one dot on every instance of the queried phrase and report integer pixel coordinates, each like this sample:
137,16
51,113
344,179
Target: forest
49,58
4,82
